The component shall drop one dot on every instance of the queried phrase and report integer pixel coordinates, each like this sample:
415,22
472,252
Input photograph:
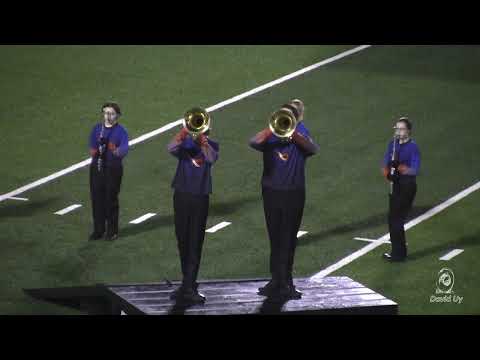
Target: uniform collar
406,142
109,127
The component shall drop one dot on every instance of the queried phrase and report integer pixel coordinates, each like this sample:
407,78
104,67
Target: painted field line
369,240
301,233
18,198
217,227
451,254
180,121
68,209
142,218
430,213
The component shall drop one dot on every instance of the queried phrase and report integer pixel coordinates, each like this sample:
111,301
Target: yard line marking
45,179
369,240
451,254
68,209
217,227
380,241
18,198
301,233
156,132
142,218
180,121
288,77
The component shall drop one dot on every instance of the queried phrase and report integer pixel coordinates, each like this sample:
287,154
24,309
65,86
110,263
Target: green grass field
51,98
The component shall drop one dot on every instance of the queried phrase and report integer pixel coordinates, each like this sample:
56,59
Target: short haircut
292,108
113,105
298,104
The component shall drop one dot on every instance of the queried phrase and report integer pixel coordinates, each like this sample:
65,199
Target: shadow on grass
357,226
24,209
461,243
230,207
215,209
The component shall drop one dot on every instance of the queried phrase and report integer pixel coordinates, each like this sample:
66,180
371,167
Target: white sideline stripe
142,218
18,198
217,227
368,240
451,254
68,209
301,233
180,121
430,213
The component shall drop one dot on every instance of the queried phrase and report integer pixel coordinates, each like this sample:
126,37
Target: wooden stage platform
330,295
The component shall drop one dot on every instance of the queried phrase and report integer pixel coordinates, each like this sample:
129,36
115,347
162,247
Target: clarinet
101,151
392,169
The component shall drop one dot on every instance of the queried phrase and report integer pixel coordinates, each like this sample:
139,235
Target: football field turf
414,283
51,99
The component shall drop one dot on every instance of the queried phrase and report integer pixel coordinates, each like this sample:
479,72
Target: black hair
113,105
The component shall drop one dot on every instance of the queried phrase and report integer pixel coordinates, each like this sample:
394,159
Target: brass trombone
283,123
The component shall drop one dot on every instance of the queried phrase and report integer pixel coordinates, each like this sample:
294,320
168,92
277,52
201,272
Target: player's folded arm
306,143
175,149
211,156
254,144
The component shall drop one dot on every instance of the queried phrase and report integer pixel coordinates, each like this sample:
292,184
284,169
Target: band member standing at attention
192,184
108,146
401,165
283,191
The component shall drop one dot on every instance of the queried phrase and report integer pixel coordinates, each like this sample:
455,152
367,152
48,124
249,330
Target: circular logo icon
445,282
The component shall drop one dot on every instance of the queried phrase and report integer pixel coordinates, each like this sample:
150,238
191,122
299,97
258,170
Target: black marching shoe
275,290
268,289
194,297
175,294
95,236
391,258
289,292
111,237
187,296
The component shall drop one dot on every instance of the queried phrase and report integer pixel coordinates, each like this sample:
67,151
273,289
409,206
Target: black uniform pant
400,204
283,215
190,212
104,190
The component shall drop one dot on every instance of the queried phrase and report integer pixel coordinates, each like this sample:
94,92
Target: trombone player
192,184
285,144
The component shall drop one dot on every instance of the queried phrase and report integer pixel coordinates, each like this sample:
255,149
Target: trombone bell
283,123
196,121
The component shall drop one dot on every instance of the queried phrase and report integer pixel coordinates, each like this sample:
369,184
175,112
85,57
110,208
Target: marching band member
401,165
108,146
192,185
283,191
